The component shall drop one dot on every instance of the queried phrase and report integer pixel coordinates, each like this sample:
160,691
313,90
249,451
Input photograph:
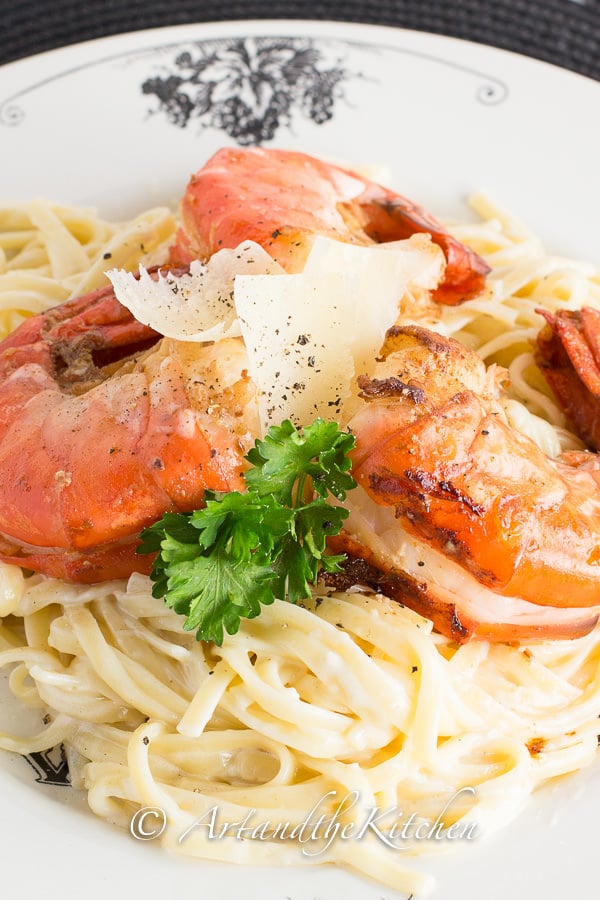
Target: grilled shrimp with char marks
484,534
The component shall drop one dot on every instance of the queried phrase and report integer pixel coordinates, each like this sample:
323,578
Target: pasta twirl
281,721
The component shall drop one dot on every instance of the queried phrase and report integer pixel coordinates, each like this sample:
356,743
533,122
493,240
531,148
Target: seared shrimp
283,199
103,428
484,534
568,353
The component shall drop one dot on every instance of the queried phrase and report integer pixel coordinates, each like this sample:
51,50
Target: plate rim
295,26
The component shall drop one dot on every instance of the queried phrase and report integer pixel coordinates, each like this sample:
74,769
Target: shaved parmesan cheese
197,306
309,335
377,277
298,343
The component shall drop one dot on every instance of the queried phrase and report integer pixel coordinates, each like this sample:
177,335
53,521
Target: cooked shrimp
283,199
485,534
103,428
568,353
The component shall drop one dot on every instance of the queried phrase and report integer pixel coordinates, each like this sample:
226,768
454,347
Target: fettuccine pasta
50,253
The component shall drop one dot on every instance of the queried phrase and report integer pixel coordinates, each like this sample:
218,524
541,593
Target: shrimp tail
568,354
385,216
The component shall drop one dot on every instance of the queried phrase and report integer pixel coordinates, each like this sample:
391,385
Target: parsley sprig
243,550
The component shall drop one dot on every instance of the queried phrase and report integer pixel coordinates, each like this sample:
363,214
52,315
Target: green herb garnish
221,563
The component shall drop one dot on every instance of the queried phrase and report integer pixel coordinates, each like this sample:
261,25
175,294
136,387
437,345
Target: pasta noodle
304,728
502,324
50,253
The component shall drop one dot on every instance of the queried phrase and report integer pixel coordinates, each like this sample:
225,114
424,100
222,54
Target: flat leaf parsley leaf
243,550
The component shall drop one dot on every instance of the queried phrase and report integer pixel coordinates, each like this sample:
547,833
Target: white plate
93,124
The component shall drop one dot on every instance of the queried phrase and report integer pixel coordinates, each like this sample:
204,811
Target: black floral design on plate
249,88
51,766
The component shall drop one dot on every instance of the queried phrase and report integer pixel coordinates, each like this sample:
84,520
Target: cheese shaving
196,306
309,335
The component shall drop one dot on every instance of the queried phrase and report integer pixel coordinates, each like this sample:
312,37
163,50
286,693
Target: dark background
564,32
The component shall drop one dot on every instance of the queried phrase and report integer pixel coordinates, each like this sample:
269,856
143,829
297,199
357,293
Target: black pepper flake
107,255
311,362
484,431
302,339
420,563
146,740
414,669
